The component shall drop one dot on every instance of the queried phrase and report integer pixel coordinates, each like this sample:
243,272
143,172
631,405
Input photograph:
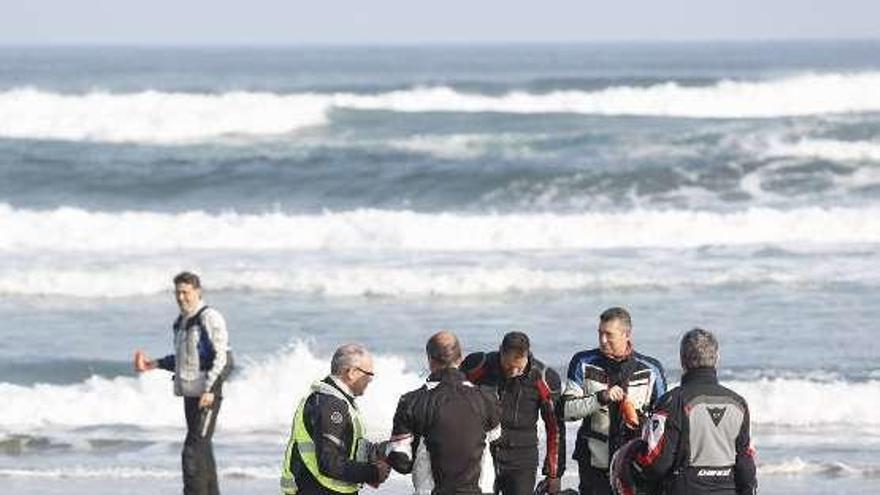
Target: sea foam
163,117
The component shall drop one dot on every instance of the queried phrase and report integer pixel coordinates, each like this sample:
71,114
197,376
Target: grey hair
347,356
699,349
619,314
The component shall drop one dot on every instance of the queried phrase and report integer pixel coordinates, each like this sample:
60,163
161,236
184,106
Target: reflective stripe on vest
305,446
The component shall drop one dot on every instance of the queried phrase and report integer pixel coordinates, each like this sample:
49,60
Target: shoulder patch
336,417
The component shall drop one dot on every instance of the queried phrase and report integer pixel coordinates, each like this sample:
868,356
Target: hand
379,451
206,400
552,485
615,394
383,469
142,362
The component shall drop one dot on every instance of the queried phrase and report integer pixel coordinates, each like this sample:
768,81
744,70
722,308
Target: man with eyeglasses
327,452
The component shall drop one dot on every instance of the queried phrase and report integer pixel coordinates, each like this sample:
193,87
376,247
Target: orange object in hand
629,414
140,361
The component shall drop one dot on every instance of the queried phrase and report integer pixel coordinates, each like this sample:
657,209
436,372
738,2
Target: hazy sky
419,21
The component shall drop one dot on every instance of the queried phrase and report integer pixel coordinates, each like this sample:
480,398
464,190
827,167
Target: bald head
444,350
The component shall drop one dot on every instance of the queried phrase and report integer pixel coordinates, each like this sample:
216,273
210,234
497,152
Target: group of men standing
479,413
471,428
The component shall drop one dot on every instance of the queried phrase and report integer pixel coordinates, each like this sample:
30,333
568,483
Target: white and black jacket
201,360
602,431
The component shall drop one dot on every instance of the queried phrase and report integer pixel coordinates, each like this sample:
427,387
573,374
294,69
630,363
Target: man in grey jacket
200,363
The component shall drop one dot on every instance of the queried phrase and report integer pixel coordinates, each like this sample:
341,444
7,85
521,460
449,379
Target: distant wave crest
77,230
162,117
460,280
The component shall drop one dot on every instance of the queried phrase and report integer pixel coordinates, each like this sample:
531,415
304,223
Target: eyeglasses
368,373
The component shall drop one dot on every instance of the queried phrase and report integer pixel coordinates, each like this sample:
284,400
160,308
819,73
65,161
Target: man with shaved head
447,420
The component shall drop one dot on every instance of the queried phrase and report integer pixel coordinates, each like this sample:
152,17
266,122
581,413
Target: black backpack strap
197,318
204,339
191,321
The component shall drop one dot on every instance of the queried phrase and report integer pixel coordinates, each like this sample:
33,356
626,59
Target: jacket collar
630,351
339,385
448,375
700,375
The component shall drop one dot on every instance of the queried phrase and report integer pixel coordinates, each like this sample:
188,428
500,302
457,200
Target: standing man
200,363
449,419
610,388
525,388
327,453
697,441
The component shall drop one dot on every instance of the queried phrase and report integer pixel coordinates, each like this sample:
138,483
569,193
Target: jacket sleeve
656,453
166,363
402,455
659,384
549,390
492,416
333,434
744,470
473,366
574,404
216,326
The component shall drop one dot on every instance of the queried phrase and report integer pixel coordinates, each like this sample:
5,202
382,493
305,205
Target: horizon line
428,43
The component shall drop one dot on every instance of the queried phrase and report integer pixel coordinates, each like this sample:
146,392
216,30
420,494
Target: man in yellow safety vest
327,453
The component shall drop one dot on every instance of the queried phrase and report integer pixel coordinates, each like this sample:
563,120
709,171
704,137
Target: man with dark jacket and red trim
525,388
698,440
610,389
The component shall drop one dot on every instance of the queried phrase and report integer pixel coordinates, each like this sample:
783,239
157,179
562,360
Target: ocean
377,194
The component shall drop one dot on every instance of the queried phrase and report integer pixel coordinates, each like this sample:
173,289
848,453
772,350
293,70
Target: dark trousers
516,470
199,470
593,481
516,481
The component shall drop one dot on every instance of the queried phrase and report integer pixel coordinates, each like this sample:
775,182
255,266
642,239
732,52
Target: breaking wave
161,117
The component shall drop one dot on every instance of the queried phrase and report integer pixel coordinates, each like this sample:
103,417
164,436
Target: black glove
548,486
383,469
553,485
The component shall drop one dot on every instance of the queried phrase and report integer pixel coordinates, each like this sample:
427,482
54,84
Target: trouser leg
517,481
517,470
197,458
593,481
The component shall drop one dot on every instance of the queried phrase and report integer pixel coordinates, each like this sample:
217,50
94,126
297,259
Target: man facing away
609,388
327,453
200,363
526,389
698,438
449,419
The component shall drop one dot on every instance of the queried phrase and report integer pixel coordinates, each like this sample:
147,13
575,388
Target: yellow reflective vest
305,446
